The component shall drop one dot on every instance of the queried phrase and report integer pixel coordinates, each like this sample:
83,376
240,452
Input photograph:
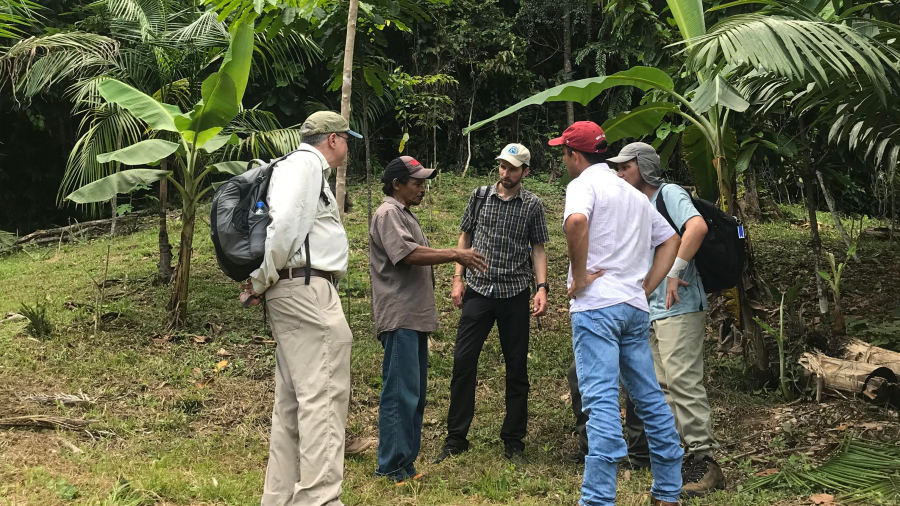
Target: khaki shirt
297,210
402,294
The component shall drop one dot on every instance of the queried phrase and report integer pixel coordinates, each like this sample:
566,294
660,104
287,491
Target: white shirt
623,230
296,210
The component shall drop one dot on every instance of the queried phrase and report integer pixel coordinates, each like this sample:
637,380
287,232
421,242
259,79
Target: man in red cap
400,260
612,231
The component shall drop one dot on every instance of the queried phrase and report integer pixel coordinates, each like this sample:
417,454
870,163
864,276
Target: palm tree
15,15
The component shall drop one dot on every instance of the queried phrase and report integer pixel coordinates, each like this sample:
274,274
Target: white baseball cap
516,154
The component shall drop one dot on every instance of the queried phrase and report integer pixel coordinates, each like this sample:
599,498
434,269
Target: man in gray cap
678,326
312,360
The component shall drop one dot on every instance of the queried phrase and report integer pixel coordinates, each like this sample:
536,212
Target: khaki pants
312,391
677,345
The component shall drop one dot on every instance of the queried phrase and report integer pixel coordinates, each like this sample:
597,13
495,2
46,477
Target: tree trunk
567,63
164,274
340,185
749,201
809,193
834,214
860,351
178,301
469,136
842,375
114,203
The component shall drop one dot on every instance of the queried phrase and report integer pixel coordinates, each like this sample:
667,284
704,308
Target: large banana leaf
688,16
235,168
157,115
222,92
699,155
120,182
142,153
718,92
639,122
585,90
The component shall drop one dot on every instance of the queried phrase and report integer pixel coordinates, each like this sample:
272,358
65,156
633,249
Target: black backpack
238,233
720,259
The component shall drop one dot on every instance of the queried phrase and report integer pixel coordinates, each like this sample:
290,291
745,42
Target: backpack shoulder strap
664,211
480,197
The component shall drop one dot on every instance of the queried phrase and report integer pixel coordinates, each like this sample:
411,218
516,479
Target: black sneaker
516,456
447,451
576,457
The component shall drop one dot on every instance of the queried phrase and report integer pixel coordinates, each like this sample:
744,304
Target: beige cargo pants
677,345
312,390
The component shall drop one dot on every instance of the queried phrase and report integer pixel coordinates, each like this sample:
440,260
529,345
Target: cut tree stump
861,351
842,375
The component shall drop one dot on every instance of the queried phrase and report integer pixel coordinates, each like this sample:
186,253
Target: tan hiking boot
702,477
357,445
656,502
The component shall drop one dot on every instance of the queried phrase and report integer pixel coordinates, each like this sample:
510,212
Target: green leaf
220,140
718,92
824,275
157,115
698,155
404,140
237,60
373,81
142,153
767,328
688,16
668,148
637,123
792,293
233,168
120,182
585,90
743,160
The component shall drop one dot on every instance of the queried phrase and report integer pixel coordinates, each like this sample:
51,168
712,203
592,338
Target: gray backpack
238,231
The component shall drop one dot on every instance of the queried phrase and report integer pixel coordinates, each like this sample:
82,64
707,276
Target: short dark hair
388,187
592,158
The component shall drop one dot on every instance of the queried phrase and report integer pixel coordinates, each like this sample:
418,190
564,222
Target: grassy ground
177,425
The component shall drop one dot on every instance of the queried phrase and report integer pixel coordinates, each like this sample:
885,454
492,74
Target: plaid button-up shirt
503,233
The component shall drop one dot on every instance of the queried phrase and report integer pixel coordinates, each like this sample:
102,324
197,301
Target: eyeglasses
346,137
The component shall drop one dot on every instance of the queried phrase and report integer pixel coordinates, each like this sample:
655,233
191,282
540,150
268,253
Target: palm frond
149,15
37,63
105,128
15,15
204,31
801,50
262,136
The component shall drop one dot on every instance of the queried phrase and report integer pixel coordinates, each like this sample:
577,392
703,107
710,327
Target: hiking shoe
702,477
656,502
516,456
447,451
357,445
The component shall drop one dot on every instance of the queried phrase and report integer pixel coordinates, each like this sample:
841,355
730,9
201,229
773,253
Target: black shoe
447,451
515,455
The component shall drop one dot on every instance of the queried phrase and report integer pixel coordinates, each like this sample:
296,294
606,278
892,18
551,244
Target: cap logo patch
414,162
513,150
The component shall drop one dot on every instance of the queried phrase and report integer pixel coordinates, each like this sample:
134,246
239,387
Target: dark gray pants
638,449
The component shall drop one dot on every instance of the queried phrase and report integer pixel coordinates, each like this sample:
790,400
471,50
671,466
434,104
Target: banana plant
199,134
787,298
834,282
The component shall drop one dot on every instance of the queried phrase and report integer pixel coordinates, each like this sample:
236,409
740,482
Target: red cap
582,136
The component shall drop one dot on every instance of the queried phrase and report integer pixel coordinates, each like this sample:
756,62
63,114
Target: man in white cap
678,325
505,223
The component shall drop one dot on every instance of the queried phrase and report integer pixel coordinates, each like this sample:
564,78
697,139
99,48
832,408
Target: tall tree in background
340,185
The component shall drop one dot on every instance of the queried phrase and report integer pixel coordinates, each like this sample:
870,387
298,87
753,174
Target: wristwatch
545,286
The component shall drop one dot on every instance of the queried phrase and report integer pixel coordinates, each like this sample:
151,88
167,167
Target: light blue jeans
609,343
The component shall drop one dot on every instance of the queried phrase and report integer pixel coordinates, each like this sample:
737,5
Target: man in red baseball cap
611,231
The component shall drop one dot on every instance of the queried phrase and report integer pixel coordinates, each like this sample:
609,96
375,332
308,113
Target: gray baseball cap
646,158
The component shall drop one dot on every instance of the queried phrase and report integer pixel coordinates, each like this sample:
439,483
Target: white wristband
679,267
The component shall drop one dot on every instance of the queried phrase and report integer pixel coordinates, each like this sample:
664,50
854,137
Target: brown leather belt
300,272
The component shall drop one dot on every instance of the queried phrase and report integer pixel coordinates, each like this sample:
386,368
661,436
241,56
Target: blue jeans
404,375
609,343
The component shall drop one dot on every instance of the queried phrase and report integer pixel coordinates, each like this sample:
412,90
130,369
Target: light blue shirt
693,297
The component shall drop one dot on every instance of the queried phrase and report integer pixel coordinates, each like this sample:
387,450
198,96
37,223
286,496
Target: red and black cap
406,166
584,136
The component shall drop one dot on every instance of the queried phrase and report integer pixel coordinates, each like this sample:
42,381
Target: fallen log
881,232
861,351
874,383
